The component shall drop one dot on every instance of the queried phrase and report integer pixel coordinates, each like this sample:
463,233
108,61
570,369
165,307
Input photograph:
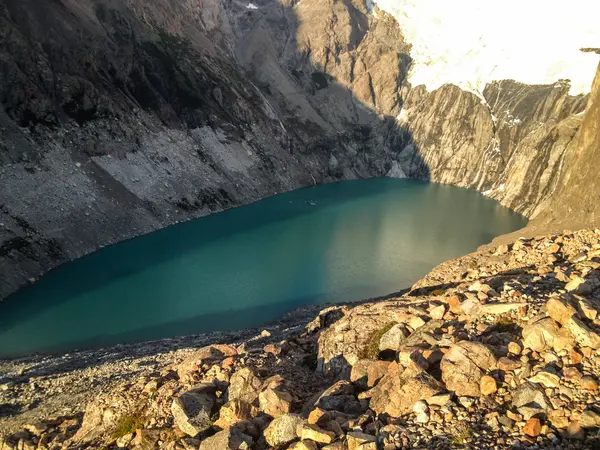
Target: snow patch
470,43
251,6
402,117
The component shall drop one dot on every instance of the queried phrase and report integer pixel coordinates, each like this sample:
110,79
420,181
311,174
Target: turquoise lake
247,266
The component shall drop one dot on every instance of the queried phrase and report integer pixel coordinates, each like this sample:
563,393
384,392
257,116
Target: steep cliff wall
120,117
510,144
576,201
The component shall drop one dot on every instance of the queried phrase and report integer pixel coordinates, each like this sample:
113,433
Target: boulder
393,338
464,364
283,430
339,397
586,308
244,385
192,410
564,340
546,379
588,383
206,355
303,445
540,335
397,396
560,310
501,308
583,335
376,372
530,399
589,419
235,411
343,344
437,312
228,439
275,402
319,416
487,385
578,285
355,440
348,340
575,431
533,427
317,434
359,372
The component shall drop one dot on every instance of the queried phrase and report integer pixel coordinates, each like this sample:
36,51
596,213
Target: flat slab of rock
501,308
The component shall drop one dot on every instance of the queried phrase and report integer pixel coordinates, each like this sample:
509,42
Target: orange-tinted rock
453,302
506,364
533,427
588,383
488,385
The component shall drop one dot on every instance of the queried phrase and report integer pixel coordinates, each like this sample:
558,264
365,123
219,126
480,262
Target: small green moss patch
504,325
128,424
462,435
371,350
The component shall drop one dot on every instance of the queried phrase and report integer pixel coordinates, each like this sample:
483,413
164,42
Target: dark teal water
248,266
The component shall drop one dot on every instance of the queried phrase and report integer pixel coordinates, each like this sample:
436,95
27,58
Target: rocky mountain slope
497,349
120,117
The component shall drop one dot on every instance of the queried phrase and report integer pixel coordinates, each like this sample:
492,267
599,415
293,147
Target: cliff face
121,117
509,144
575,202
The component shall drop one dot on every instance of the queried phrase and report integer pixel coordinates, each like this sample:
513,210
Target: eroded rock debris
497,349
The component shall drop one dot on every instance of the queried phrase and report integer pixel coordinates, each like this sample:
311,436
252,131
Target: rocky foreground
498,349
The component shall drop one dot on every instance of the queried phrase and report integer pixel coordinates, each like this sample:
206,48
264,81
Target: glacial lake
248,266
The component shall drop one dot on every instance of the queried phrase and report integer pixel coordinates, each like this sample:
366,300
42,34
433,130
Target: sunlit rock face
122,117
575,201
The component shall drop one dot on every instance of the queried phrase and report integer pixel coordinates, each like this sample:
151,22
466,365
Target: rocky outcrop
119,118
509,142
574,203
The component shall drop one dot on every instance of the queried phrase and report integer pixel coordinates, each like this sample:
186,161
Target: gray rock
339,397
284,430
244,385
192,410
530,399
228,439
392,339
